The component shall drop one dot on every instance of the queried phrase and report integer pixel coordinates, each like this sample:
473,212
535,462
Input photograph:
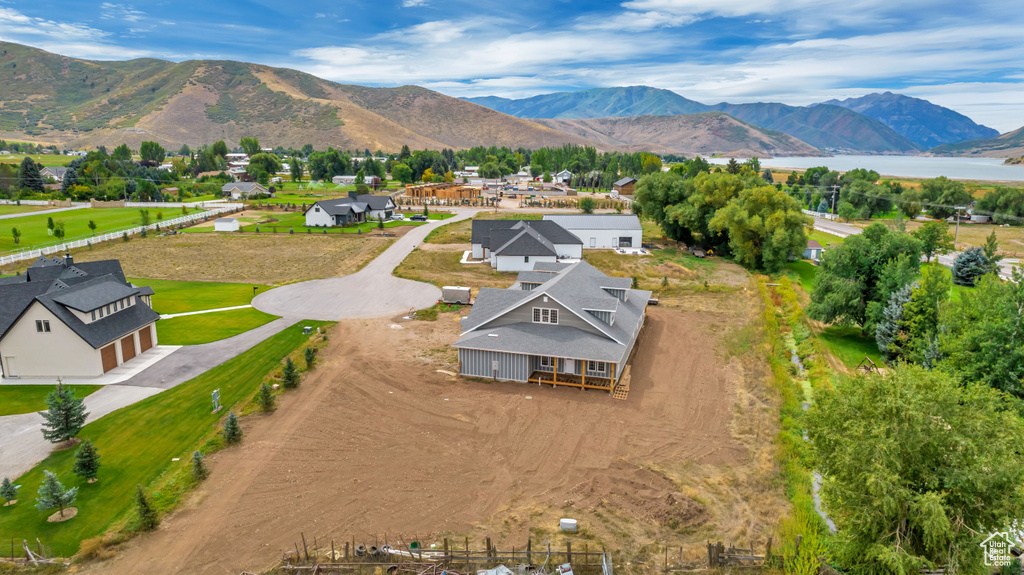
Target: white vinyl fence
69,244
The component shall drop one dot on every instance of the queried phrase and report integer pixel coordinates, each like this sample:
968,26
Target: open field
1011,238
136,445
8,209
183,296
264,259
76,224
207,327
461,232
45,160
28,398
439,264
381,443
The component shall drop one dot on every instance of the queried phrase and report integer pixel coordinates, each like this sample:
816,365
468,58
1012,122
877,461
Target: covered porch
579,373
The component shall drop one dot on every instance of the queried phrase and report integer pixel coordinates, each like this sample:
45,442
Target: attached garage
145,338
127,348
109,356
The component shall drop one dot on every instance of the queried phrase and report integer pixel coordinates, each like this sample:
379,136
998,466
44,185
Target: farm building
62,319
243,190
352,209
225,225
516,245
442,191
602,231
813,250
564,324
625,186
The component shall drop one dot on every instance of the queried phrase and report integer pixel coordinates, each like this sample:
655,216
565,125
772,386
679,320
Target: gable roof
521,242
488,234
813,245
361,203
626,181
244,187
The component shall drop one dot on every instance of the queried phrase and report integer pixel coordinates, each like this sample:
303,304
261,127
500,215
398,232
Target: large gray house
562,324
516,245
62,318
349,210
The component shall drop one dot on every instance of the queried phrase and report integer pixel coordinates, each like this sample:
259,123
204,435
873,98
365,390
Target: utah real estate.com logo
997,549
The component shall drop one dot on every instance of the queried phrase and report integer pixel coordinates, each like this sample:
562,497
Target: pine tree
310,356
969,266
291,374
990,248
232,431
887,330
8,490
30,176
87,461
199,471
65,417
823,206
53,495
265,397
426,210
70,179
148,518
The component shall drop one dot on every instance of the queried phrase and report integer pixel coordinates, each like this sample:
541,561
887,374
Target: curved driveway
370,292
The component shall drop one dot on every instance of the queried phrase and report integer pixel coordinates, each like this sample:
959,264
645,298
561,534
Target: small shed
625,186
225,225
455,294
813,250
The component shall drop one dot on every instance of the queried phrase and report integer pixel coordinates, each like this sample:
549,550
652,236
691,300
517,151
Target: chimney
353,195
68,260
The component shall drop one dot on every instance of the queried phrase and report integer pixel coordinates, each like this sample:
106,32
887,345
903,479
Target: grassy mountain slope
704,133
830,128
1008,145
596,103
82,103
923,122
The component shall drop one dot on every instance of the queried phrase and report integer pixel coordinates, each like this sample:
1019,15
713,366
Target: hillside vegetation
1009,145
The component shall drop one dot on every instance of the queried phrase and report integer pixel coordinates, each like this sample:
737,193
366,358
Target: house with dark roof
69,319
55,172
562,324
516,245
244,190
813,250
349,210
625,186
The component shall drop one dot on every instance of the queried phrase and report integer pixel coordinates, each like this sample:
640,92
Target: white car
397,218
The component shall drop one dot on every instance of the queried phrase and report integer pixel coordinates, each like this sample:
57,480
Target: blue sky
968,56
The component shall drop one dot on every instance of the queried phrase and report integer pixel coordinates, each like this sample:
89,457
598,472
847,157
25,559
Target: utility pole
834,194
957,233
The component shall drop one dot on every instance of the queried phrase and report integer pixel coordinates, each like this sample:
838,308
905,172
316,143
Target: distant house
563,177
225,225
516,245
67,319
344,180
561,324
813,250
602,231
625,186
55,172
244,190
353,209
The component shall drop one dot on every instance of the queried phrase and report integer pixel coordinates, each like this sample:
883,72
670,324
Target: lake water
905,166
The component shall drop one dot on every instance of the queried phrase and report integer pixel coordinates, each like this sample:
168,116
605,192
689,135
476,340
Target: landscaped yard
8,209
34,231
136,445
805,272
297,221
182,296
207,327
28,398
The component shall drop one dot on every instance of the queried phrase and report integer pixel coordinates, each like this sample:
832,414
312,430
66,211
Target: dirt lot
380,443
246,258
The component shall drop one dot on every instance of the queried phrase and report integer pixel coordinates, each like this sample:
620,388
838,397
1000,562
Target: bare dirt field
245,258
376,442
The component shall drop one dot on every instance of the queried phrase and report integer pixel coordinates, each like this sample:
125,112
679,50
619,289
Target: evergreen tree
265,397
53,495
290,377
888,328
30,176
8,490
199,471
822,206
70,179
990,248
969,266
65,415
148,518
920,321
232,431
87,461
310,356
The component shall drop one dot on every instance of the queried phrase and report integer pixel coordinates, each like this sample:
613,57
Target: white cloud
413,3
14,24
126,12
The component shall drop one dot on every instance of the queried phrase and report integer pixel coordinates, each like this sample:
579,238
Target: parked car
418,218
397,218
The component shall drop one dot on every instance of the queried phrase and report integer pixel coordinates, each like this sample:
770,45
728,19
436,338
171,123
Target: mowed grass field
46,160
16,399
207,327
136,445
34,231
183,296
297,221
9,209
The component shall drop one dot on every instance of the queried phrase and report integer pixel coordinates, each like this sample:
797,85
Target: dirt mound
640,493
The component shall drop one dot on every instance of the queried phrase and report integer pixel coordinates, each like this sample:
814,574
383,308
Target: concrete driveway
370,292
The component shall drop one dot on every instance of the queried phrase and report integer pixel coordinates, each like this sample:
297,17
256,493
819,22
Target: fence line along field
35,232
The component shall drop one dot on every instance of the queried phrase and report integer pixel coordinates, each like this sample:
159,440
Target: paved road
835,228
370,292
38,212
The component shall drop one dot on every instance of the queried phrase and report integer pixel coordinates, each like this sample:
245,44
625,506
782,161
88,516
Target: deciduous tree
152,152
250,145
587,205
765,227
935,239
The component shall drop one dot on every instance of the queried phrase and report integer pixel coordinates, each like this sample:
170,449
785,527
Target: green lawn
824,239
805,272
850,346
28,398
46,160
136,445
297,221
180,296
76,224
8,209
207,327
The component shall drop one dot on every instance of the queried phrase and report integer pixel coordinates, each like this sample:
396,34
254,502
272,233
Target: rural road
42,212
371,292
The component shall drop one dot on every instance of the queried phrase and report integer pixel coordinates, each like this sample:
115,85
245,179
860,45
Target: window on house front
547,362
597,366
545,315
526,259
101,313
43,325
93,315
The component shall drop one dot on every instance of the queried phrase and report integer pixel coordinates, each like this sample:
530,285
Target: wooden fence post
529,554
568,551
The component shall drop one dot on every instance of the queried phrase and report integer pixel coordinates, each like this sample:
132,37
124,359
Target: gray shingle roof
546,340
596,222
362,203
625,181
484,232
94,294
521,242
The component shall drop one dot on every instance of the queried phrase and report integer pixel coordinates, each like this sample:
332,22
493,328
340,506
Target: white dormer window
545,315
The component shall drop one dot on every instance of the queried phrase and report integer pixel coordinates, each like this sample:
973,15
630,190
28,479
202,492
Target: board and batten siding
480,363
